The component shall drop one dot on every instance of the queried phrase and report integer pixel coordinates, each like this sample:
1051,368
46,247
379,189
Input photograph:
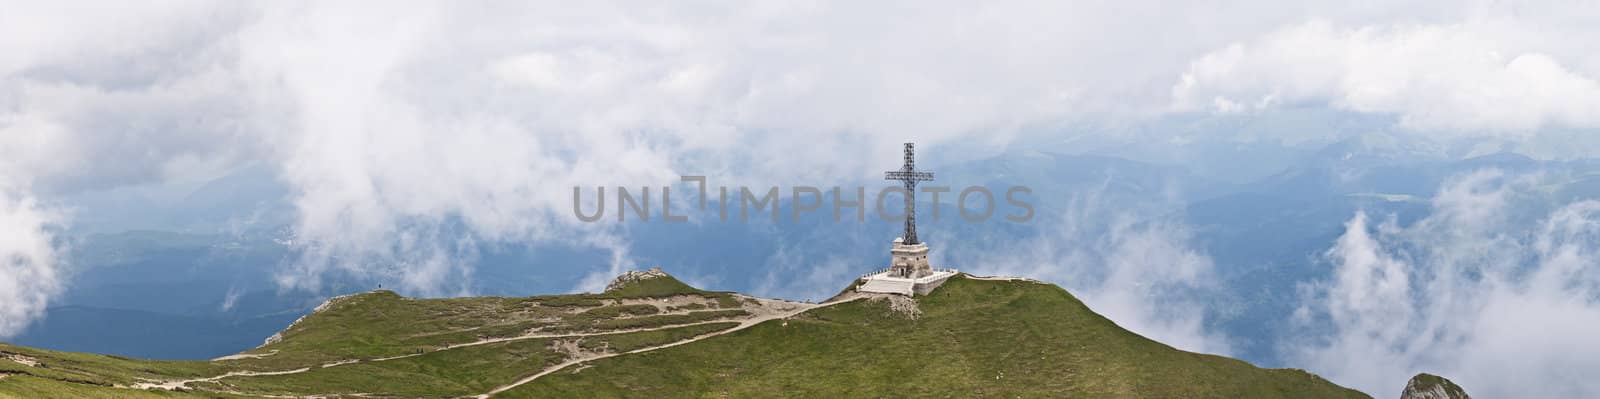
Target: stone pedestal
908,273
909,261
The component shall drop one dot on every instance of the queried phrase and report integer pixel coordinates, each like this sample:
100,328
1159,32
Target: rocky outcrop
630,277
1429,386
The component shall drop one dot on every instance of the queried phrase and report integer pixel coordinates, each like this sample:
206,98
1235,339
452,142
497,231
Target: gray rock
1429,386
632,276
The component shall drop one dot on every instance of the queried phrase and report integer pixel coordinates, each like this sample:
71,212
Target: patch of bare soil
573,349
763,308
20,358
1004,278
675,304
905,305
239,356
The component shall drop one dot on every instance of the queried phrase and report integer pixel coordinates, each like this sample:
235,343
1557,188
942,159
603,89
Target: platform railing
875,272
879,271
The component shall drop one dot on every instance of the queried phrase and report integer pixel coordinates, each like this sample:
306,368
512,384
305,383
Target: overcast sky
386,118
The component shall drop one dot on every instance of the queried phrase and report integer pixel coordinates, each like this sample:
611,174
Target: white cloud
30,270
1451,79
807,273
393,123
1503,308
596,281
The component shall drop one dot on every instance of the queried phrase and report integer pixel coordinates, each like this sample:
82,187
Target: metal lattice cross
910,176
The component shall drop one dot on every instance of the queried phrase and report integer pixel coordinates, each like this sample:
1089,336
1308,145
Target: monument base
883,283
908,273
909,260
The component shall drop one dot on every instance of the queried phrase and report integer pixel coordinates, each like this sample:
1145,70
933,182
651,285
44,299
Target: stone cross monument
910,256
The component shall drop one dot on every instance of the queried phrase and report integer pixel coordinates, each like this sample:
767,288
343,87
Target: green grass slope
384,324
387,345
447,374
974,338
54,374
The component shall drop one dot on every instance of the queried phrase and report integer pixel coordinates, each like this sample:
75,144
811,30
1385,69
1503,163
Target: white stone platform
880,282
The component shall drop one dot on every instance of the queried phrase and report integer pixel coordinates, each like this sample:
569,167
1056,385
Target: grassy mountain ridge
973,338
658,337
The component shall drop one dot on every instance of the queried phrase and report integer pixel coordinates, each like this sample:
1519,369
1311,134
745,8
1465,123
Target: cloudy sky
388,119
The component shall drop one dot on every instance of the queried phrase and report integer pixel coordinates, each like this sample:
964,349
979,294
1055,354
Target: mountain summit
1429,386
630,277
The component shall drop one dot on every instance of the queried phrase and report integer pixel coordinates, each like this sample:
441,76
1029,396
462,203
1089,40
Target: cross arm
908,176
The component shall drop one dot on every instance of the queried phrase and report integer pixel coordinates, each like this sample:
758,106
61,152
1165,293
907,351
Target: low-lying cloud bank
1505,306
1141,272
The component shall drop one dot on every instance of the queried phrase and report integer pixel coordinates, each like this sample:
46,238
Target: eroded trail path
797,309
240,356
184,384
769,309
1004,278
171,385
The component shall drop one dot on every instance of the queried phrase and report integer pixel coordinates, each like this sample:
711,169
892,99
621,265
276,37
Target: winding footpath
770,309
1004,278
801,308
183,384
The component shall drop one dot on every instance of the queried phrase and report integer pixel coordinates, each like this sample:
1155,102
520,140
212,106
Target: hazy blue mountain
1271,234
211,273
151,335
245,199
